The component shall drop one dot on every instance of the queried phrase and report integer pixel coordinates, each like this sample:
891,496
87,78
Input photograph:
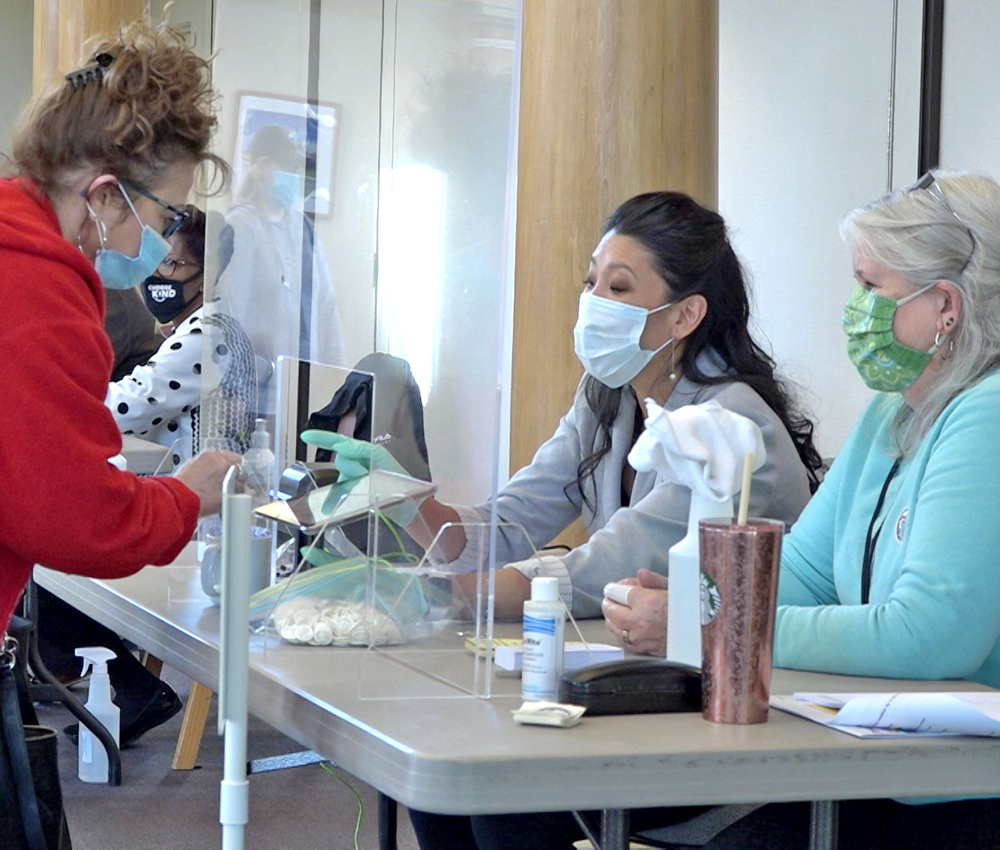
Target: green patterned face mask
885,364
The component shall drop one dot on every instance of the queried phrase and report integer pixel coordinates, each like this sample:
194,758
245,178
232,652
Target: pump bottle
92,757
684,582
544,626
258,462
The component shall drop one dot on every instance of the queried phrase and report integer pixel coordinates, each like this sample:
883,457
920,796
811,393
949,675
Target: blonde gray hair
949,231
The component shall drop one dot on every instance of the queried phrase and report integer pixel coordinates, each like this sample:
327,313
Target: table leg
192,727
152,664
614,829
387,816
823,825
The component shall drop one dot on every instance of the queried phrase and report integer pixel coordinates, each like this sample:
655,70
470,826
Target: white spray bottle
684,583
92,757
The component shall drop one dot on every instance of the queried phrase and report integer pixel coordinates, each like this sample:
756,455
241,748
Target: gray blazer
624,538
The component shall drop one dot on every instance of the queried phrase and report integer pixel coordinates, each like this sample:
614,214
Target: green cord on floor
361,805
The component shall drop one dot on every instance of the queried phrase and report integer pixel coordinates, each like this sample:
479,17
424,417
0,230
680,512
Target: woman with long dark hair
663,315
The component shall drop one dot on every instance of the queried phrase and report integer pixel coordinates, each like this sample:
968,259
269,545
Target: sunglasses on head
929,184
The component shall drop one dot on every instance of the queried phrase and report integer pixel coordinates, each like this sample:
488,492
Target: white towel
701,446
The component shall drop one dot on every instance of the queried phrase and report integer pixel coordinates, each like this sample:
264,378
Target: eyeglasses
171,264
180,216
930,184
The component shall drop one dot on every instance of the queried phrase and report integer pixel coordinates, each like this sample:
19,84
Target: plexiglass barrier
373,165
344,511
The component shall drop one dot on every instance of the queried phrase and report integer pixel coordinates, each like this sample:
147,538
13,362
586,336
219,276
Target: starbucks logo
711,600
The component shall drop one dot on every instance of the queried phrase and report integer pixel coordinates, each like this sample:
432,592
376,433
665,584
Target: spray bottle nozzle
96,657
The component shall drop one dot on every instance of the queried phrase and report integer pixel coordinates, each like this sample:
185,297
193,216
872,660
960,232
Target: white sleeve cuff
547,565
468,559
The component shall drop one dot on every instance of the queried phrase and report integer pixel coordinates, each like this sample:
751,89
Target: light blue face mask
284,189
118,271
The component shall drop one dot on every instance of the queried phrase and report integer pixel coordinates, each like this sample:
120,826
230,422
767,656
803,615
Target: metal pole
234,791
614,829
823,825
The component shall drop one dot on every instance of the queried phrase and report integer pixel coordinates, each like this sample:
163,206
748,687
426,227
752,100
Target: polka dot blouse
156,400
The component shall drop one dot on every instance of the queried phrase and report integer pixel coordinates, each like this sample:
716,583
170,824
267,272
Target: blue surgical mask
118,271
284,189
606,339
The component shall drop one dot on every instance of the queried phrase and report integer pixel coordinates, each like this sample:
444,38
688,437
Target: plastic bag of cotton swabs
341,602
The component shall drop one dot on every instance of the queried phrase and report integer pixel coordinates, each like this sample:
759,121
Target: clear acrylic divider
343,560
448,652
302,495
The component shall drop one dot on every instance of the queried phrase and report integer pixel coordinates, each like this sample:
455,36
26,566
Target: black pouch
31,806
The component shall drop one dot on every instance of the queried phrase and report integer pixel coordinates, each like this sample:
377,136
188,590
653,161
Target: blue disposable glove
355,458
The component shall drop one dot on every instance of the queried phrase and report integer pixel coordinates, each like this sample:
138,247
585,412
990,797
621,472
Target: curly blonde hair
149,106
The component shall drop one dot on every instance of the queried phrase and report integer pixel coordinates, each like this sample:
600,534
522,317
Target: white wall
16,39
444,288
970,117
803,97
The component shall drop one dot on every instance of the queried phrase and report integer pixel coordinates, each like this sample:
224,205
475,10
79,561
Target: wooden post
62,27
618,97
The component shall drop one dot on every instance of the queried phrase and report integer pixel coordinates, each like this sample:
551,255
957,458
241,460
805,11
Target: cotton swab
741,518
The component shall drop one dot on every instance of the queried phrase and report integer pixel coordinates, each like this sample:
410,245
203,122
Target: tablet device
345,501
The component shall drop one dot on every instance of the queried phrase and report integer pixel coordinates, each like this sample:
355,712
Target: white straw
741,518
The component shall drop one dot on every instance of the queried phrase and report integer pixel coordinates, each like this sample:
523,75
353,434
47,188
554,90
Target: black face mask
164,296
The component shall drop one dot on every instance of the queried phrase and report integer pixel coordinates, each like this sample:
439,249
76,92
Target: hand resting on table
645,618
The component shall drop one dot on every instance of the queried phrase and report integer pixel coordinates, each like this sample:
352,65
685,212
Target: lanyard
871,540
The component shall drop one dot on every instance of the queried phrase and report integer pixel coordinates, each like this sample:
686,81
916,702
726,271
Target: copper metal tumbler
739,585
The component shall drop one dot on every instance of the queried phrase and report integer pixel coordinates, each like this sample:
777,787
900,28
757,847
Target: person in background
891,570
102,165
205,353
275,280
131,329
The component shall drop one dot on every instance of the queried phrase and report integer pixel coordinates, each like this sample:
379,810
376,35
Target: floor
156,807
304,808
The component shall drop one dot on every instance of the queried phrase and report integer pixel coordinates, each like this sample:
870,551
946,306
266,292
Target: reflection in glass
274,275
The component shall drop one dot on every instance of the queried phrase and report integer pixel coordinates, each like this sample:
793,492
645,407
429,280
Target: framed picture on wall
312,129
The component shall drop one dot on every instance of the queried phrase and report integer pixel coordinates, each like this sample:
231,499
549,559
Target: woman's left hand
642,625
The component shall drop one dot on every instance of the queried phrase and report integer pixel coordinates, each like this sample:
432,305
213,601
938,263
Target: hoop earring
939,338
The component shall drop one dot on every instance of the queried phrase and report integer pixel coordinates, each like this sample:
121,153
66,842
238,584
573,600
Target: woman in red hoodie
101,169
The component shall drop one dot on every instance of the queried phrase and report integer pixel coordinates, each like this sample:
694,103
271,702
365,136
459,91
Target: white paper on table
899,714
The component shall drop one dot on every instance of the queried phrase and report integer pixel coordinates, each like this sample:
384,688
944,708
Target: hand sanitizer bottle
684,584
92,757
258,462
544,625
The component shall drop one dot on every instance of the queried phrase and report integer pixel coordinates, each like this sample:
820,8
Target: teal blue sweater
934,609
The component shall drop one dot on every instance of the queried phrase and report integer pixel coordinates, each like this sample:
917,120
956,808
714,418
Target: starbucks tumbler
739,585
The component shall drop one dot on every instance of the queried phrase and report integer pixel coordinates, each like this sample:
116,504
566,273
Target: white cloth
702,446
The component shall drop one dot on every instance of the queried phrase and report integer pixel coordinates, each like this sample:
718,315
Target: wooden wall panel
617,97
62,27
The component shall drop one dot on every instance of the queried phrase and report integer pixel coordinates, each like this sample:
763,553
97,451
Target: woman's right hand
203,475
